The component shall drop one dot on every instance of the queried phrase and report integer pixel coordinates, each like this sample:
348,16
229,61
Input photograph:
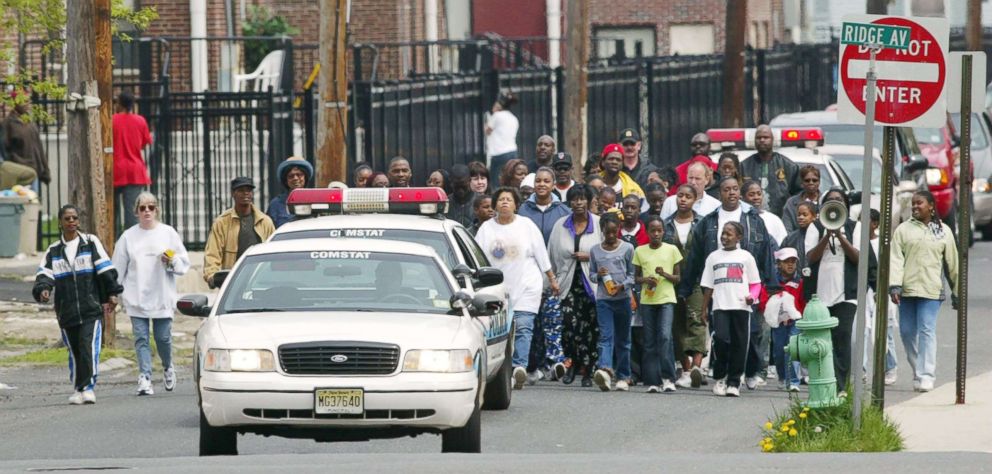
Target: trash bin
11,209
29,228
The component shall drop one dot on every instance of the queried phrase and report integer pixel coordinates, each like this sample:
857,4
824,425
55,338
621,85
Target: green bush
802,430
262,21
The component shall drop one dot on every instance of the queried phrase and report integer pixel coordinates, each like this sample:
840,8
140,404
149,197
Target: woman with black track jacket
84,280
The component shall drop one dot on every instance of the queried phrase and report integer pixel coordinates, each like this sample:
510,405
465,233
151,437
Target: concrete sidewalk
932,422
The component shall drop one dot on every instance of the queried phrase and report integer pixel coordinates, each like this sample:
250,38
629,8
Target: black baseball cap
241,182
561,159
629,135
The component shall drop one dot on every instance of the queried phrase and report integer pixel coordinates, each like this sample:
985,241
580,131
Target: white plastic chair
268,73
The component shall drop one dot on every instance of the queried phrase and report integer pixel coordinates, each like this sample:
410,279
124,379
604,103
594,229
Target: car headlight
459,360
937,177
239,360
981,185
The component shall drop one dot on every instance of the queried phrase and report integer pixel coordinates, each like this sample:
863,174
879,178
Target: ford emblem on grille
339,358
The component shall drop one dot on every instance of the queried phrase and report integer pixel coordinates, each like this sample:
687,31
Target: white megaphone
833,215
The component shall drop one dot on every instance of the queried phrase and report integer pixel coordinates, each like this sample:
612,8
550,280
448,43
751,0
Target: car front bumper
983,208
420,400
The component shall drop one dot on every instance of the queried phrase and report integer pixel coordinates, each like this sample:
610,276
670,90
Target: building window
636,41
689,39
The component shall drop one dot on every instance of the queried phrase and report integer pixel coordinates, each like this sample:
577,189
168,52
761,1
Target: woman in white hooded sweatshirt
149,256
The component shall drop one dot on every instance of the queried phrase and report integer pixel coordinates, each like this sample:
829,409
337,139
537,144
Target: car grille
339,358
283,414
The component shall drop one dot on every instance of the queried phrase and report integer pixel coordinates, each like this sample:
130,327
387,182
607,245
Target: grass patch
16,341
802,430
59,356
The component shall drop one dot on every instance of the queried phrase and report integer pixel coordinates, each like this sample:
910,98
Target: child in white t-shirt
731,284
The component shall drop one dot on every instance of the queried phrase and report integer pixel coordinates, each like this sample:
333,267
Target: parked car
981,161
938,145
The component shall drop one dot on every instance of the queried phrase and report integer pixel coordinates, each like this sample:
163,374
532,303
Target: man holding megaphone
833,241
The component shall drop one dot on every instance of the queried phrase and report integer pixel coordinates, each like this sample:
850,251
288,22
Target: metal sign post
864,250
882,283
964,228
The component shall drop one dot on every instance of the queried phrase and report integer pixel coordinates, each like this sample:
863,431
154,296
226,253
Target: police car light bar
310,201
743,138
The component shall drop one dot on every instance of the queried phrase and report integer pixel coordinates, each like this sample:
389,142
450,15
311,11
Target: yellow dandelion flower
766,441
768,425
785,428
803,415
791,422
793,432
768,447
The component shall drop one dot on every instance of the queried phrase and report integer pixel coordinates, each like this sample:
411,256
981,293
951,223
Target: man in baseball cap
635,165
561,162
235,230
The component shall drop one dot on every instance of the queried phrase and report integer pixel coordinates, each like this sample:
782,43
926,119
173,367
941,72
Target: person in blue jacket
293,173
543,207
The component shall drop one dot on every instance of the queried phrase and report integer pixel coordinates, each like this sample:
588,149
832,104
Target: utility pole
973,25
105,87
86,157
733,64
576,77
332,151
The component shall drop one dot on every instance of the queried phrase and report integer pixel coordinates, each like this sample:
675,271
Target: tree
47,19
262,21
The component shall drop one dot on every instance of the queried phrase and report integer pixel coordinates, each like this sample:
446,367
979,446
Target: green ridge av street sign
866,34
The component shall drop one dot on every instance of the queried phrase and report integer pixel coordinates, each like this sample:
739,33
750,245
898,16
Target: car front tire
499,392
467,439
217,441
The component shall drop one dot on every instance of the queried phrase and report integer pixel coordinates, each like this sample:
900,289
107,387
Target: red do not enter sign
910,83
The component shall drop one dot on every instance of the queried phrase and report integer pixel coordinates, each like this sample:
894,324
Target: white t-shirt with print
517,249
730,273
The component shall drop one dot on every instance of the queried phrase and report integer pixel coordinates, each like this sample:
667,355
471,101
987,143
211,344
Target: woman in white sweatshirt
148,256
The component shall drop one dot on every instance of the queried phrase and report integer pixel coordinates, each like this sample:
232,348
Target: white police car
344,340
406,215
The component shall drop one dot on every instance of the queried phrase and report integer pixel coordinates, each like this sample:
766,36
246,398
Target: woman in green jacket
921,248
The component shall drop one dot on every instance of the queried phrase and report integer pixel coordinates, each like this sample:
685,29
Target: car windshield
435,240
929,136
848,135
337,281
853,166
978,138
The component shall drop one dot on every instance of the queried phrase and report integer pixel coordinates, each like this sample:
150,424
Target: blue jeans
613,317
918,328
780,339
659,346
523,323
163,342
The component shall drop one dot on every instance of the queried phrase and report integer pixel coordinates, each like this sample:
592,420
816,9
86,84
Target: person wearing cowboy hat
293,173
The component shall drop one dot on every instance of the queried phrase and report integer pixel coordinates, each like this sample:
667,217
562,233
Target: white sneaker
772,372
891,376
519,377
685,381
76,398
622,386
916,385
602,379
793,388
534,377
733,391
697,377
667,386
753,382
89,397
720,388
170,379
145,386
926,385
653,389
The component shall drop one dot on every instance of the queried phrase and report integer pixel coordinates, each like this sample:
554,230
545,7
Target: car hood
272,329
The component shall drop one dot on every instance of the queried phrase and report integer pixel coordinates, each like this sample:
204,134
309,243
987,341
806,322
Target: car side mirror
488,276
460,301
916,164
486,305
218,279
854,197
194,305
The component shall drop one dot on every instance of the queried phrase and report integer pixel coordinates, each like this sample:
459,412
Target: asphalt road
548,420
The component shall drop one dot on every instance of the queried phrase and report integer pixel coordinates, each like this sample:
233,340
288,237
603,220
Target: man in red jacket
130,173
